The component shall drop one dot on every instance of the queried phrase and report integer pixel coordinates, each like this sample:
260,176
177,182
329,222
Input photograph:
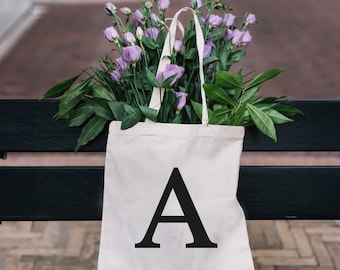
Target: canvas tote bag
170,193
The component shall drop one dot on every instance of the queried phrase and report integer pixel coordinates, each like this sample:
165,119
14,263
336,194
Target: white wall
11,11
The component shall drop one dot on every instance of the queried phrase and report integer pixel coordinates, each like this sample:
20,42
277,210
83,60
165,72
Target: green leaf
101,74
278,118
215,93
262,121
219,116
79,116
197,108
151,78
209,60
249,96
99,91
264,76
72,97
191,54
131,119
236,56
168,81
216,33
225,79
92,129
149,113
148,42
60,88
288,110
129,109
117,108
100,107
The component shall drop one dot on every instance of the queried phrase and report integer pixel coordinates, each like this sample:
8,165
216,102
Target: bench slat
27,126
75,193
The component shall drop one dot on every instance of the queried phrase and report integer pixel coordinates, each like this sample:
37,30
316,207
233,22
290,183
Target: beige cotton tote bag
170,193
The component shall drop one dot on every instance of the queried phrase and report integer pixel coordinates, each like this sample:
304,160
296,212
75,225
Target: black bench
75,193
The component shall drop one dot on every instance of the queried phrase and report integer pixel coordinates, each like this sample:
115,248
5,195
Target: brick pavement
297,35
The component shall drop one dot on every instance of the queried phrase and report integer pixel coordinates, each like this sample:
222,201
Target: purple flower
207,48
182,100
250,19
229,19
129,38
110,33
122,64
214,20
110,8
163,4
229,34
195,4
152,33
138,18
170,70
132,53
178,45
115,75
241,38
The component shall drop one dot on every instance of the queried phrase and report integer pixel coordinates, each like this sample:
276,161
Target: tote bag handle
157,94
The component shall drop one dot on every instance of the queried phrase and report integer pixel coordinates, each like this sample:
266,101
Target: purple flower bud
110,8
250,19
207,48
241,38
170,70
129,38
110,33
195,4
139,33
138,18
132,53
152,33
148,4
126,11
122,64
214,20
229,19
154,17
115,75
163,4
182,100
178,45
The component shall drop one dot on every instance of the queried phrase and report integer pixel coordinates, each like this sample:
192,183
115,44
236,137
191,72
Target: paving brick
302,242
320,251
270,253
323,230
334,251
287,239
288,262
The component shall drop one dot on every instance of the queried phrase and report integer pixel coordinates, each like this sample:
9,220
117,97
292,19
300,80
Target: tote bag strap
157,94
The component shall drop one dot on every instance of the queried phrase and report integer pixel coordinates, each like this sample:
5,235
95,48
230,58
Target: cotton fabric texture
161,167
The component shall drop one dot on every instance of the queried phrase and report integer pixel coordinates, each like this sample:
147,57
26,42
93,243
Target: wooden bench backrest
75,193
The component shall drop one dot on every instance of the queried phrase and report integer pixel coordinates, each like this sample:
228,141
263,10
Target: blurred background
43,42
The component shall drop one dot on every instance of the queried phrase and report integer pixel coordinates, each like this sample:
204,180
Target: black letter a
176,183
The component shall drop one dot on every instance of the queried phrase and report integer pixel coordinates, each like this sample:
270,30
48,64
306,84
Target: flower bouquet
177,117
122,86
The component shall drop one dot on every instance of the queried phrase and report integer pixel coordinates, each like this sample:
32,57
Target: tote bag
170,193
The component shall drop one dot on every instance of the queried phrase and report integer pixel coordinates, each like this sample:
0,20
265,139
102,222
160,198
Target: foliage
120,89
